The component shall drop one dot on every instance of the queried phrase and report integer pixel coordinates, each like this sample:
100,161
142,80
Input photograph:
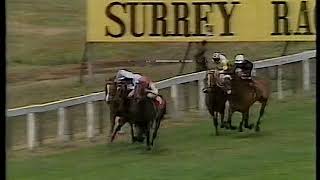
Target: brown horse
110,92
216,97
244,95
115,96
146,113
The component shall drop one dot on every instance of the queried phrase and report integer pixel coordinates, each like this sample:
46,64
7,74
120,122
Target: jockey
243,67
221,62
221,65
137,78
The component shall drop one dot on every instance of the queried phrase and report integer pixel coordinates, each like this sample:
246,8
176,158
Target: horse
115,96
215,98
145,112
244,94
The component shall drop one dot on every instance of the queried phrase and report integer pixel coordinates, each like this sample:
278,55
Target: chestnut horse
244,94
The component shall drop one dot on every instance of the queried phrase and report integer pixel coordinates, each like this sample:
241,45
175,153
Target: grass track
285,149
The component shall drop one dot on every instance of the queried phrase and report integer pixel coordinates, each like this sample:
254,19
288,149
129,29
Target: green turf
284,149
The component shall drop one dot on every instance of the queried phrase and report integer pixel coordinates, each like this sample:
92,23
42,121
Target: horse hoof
257,128
148,148
240,130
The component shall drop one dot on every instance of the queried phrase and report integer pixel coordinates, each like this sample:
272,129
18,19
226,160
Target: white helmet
216,56
239,58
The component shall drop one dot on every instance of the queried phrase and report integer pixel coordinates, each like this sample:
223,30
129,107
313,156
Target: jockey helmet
216,57
239,58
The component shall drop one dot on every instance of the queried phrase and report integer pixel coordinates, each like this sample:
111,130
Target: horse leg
222,120
115,132
246,121
229,125
147,130
263,106
112,123
133,139
155,132
215,122
140,131
241,122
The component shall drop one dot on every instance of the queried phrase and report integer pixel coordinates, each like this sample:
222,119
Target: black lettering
199,19
182,19
133,19
303,12
278,17
226,17
156,18
115,19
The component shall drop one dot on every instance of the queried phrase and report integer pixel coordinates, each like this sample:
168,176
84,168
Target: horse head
139,92
214,81
110,89
227,84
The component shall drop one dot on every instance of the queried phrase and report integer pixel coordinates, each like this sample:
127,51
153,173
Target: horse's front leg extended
241,122
133,139
262,108
222,120
112,123
229,125
147,130
215,122
155,132
116,131
246,121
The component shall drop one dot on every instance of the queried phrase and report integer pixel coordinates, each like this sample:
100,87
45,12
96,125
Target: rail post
306,75
32,131
90,120
201,102
279,82
62,125
174,96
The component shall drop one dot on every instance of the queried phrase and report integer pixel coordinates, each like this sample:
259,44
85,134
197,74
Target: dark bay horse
243,96
146,113
116,97
216,97
110,92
